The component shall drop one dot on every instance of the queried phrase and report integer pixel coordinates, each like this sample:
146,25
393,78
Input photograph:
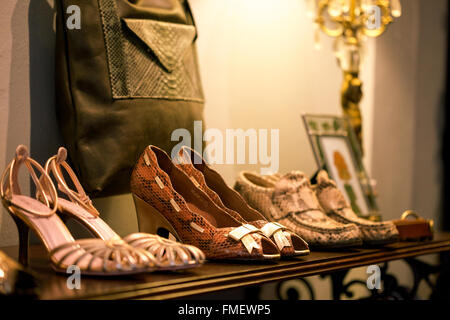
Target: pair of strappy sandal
108,253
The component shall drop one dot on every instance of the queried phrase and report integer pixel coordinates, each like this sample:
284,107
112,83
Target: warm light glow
317,44
310,8
346,6
334,8
365,4
396,8
351,19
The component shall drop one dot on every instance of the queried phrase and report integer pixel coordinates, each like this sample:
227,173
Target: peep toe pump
211,182
167,200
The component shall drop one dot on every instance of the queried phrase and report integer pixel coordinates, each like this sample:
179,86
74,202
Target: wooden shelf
215,276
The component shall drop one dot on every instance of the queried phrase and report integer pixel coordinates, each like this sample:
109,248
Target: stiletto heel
152,221
92,256
24,232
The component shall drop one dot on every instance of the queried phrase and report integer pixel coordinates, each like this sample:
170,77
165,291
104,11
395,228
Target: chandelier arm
320,20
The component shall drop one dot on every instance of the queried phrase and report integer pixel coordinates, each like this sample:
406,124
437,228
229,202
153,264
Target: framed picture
336,149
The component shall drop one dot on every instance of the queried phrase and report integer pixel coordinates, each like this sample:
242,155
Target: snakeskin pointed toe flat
336,207
292,202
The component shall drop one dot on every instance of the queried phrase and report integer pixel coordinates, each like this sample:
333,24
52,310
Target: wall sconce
350,22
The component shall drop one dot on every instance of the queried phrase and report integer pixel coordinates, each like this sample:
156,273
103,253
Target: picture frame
336,150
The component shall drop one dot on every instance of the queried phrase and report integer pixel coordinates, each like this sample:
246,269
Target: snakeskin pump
210,181
168,201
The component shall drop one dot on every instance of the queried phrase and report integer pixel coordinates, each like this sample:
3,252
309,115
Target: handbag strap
190,16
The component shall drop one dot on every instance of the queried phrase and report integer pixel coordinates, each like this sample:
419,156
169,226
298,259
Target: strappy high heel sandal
92,256
170,255
212,183
167,200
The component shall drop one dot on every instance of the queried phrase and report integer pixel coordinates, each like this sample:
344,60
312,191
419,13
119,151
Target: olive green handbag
126,78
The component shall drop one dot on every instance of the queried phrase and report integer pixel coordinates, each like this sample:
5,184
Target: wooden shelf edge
277,273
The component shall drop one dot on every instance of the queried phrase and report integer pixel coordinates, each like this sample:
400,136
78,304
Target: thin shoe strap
54,165
9,184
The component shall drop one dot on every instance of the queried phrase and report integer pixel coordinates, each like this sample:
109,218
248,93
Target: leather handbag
125,79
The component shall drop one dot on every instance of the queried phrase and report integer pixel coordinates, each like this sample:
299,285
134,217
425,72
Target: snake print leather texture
336,207
154,185
292,202
184,162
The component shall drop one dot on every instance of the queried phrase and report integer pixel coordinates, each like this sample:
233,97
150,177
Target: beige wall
409,98
27,113
260,70
14,92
